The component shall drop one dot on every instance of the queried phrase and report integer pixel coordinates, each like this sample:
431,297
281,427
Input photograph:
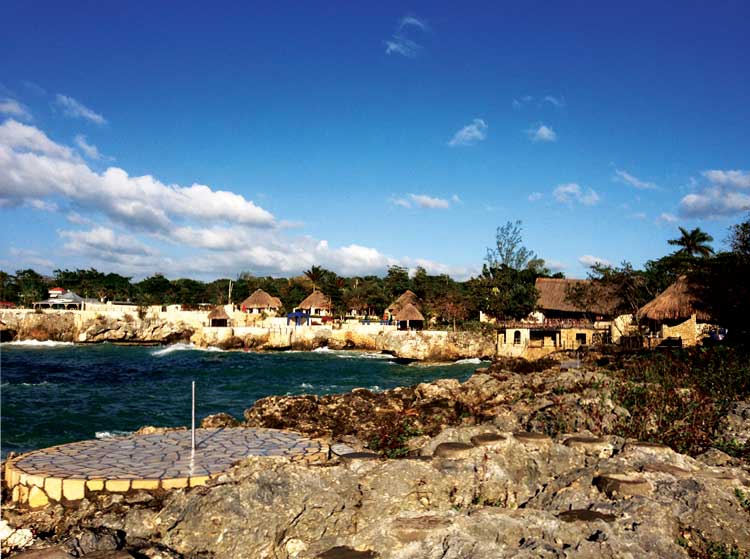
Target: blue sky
205,140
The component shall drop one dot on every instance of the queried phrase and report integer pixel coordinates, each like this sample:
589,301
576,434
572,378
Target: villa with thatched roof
408,297
408,317
261,302
676,313
317,303
218,317
553,300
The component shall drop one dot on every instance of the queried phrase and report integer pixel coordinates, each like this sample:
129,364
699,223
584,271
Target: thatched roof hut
316,300
218,317
218,313
410,313
261,300
553,296
676,302
408,297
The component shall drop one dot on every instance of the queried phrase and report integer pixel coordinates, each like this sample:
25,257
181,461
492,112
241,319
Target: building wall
687,331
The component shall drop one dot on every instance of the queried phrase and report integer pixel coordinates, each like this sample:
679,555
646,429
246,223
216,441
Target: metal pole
192,441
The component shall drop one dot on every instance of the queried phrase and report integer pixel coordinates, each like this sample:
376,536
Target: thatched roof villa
317,303
218,317
676,313
553,300
408,297
260,302
408,317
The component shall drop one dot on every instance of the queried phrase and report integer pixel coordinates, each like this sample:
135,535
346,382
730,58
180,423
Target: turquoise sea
54,393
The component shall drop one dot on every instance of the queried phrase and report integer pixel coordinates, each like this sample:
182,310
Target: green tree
315,274
693,243
396,281
509,250
30,286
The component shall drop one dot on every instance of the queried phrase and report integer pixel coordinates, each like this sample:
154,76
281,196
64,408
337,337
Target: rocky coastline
518,461
437,346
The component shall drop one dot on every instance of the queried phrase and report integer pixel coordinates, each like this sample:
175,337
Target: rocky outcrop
502,494
436,345
503,465
71,327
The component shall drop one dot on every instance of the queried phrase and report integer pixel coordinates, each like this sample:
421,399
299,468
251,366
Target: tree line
503,289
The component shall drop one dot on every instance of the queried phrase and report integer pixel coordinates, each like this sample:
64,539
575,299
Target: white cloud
723,196
542,133
75,109
413,21
431,202
735,179
424,201
41,205
556,101
589,260
199,231
667,218
50,170
534,196
627,178
571,193
22,137
555,265
13,108
402,42
29,258
470,134
104,241
714,202
89,150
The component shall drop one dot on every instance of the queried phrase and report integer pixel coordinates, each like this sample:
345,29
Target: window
516,337
581,339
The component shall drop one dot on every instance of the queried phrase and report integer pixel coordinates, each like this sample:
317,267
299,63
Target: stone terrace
155,462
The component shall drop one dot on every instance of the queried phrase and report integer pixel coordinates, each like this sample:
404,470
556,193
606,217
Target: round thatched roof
261,300
409,312
218,314
407,297
676,302
317,300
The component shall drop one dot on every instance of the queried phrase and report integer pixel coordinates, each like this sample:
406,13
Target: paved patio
150,462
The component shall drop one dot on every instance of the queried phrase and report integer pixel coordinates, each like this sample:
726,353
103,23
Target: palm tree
315,274
693,243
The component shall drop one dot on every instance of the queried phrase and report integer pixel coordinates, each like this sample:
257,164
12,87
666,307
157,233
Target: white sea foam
35,343
306,385
111,434
472,361
363,355
322,349
181,347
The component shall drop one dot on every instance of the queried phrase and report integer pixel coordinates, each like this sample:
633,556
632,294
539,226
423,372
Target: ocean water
54,393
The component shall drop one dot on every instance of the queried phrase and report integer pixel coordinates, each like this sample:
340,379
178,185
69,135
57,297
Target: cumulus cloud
33,166
627,178
425,201
572,193
534,196
104,241
75,109
589,260
13,108
403,42
470,134
22,137
89,150
199,231
542,133
724,195
734,179
555,265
